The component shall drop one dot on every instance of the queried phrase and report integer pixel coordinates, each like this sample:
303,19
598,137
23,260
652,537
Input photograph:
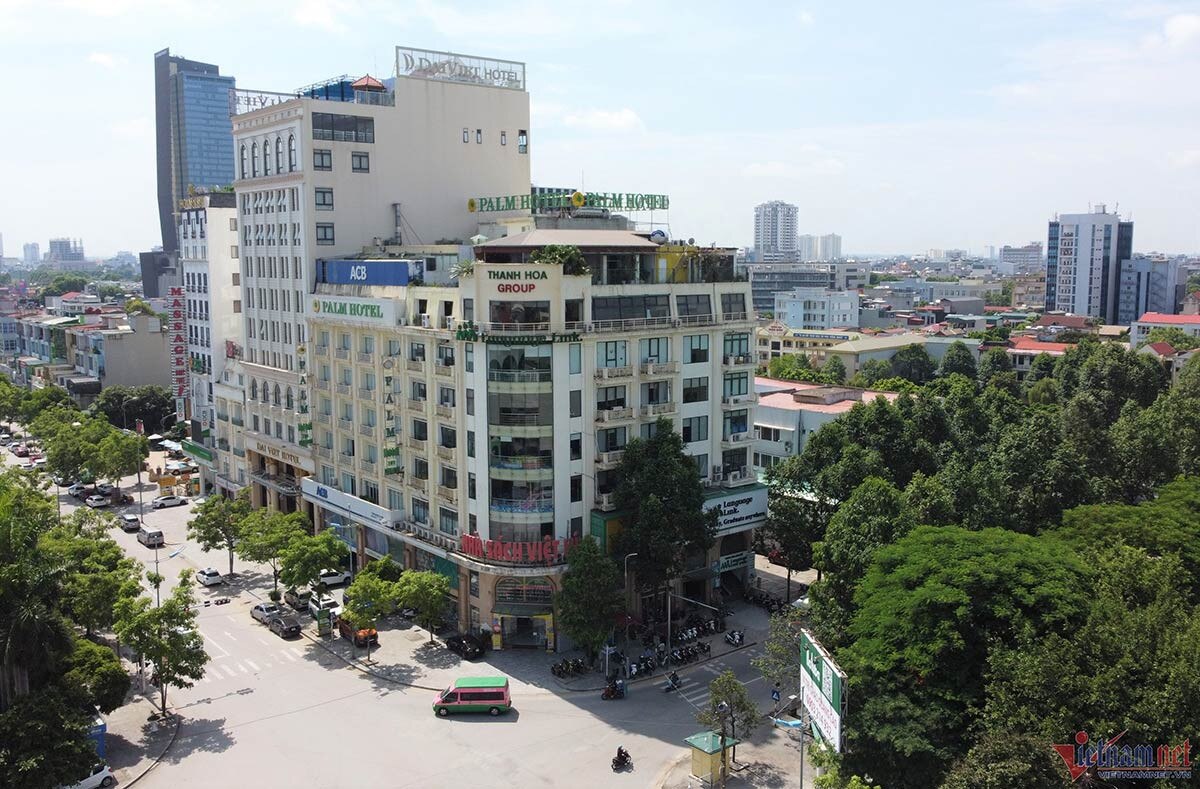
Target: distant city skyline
906,154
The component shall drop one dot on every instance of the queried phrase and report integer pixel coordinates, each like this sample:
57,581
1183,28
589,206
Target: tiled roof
1066,321
1170,320
1162,348
1030,345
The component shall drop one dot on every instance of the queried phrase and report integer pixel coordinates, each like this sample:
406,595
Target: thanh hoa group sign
823,690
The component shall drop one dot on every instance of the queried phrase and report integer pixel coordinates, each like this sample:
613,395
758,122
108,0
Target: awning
155,437
197,451
172,445
522,609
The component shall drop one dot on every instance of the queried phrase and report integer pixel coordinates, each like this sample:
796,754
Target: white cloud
324,15
1181,30
622,120
821,165
104,59
1189,158
805,18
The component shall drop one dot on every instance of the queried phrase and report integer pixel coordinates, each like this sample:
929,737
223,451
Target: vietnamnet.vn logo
1111,759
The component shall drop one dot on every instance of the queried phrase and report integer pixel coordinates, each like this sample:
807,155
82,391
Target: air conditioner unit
716,472
735,476
677,323
787,446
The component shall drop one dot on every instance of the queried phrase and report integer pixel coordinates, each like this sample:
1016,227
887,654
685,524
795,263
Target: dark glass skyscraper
193,131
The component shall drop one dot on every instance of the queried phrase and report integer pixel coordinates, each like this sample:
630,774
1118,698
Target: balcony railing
606,502
607,373
520,376
742,399
658,409
512,328
415,405
609,459
445,453
366,430
449,494
321,350
444,411
543,504
414,365
324,452
344,389
417,443
365,357
614,414
322,385
341,353
738,360
743,437
367,465
444,370
505,419
222,417
325,419
659,368
520,462
366,394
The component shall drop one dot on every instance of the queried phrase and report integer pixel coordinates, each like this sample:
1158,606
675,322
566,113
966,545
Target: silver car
265,612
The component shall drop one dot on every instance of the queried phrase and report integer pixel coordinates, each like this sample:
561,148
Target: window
470,485
655,350
447,521
325,233
291,153
577,488
577,402
695,390
395,499
343,128
736,422
522,141
479,136
610,440
469,357
242,171
737,344
360,162
694,305
470,443
278,154
609,397
420,430
695,348
737,384
254,160
575,352
701,464
733,306
322,159
470,401
449,478
324,199
418,391
611,354
466,134
420,468
576,446
695,429
447,437
420,511
504,138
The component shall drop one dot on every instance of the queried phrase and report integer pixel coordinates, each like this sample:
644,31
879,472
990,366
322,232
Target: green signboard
616,201
822,687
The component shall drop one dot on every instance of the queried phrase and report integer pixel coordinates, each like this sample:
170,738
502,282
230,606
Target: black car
285,626
466,646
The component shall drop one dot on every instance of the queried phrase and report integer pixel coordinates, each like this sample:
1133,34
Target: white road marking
296,651
229,670
251,662
264,642
243,669
291,658
231,638
224,652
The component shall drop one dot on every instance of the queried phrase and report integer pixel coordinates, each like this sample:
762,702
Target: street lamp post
628,556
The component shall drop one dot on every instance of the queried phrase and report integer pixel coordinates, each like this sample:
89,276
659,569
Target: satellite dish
691,242
658,237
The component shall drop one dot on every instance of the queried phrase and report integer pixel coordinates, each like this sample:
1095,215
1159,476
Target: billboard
822,690
178,337
744,508
368,272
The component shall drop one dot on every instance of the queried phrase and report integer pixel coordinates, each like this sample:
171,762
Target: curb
660,780
154,762
649,677
354,664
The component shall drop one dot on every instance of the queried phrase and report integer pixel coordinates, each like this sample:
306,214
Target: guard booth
710,756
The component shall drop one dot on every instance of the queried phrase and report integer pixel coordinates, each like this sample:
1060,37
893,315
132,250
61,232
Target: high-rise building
817,308
808,248
775,231
321,178
767,279
193,133
1083,262
1148,284
1017,261
66,250
830,247
32,253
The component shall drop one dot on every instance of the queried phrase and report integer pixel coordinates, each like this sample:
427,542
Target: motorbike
705,648
673,683
622,760
615,690
734,637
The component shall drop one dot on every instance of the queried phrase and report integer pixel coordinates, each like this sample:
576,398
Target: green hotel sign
349,309
617,201
468,333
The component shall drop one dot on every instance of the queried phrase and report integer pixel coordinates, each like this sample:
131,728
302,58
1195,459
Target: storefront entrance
523,614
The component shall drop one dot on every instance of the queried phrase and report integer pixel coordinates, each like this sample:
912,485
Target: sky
901,126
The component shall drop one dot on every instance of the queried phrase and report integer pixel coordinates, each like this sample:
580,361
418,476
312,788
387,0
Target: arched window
291,153
266,157
266,392
278,155
253,383
275,401
289,401
254,159
243,171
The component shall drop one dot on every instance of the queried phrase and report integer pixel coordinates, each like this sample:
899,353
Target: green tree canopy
65,283
217,523
265,535
591,597
1176,337
98,672
566,255
427,593
730,711
869,372
302,560
368,598
991,364
44,740
912,363
959,359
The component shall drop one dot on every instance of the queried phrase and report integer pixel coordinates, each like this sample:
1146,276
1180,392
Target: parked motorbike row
568,667
768,602
642,666
735,637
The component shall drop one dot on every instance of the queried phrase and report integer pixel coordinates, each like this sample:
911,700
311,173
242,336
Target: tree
1174,336
895,384
41,400
72,441
167,636
931,610
591,598
991,364
66,283
44,741
266,534
660,492
869,372
217,523
303,560
566,255
959,359
1040,369
426,592
795,523
384,567
123,405
367,598
929,501
912,363
834,370
99,674
96,572
119,455
874,516
729,703
781,662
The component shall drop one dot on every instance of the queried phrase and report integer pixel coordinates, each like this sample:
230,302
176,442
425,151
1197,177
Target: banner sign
743,509
178,338
366,272
822,686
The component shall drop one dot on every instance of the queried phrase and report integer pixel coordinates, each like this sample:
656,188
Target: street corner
137,738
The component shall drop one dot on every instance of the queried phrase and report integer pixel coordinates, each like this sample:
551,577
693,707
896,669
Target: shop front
523,613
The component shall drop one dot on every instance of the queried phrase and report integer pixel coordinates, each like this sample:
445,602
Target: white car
319,607
77,490
27,465
96,502
265,612
102,776
802,603
168,501
333,577
209,577
104,489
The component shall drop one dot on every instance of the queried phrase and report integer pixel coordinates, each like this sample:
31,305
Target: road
275,713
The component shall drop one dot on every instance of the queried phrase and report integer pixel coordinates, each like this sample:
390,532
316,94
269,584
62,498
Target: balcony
611,459
609,415
606,502
366,394
742,400
344,389
345,423
223,417
444,411
237,420
365,357
419,484
223,444
366,430
513,328
283,483
417,443
449,494
520,462
738,439
239,451
416,405
324,452
659,409
737,477
446,453
415,365
368,466
446,370
540,504
612,373
741,360
321,350
520,376
325,419
341,353
659,369
321,385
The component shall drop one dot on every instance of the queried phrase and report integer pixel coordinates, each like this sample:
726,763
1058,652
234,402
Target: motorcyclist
622,755
673,679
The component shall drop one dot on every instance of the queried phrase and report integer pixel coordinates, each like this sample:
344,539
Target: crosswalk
225,667
694,689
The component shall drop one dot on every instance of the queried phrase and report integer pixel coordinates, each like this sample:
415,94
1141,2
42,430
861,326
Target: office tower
1021,260
1148,284
32,253
192,129
817,308
775,231
66,250
808,249
830,247
767,279
1083,262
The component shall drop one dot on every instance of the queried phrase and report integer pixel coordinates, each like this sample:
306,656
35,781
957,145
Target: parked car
77,491
265,612
63,482
209,577
168,501
39,462
321,606
285,626
101,776
360,636
333,577
297,599
27,465
4,437
802,603
21,451
95,502
466,646
104,489
130,522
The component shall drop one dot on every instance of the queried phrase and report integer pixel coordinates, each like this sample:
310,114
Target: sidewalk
134,742
769,759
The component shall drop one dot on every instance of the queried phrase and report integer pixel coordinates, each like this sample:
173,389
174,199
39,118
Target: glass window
611,354
291,153
576,446
479,136
736,422
279,154
395,499
690,305
695,348
447,521
695,429
655,350
609,397
324,199
469,357
575,353
737,384
611,439
360,162
470,402
420,429
343,128
504,138
577,402
695,390
733,306
466,134
420,511
737,344
322,159
420,468
325,233
577,488
522,141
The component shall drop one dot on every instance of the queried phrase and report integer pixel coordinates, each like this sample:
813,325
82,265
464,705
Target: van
151,538
474,694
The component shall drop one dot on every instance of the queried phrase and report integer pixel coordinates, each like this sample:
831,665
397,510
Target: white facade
817,308
1083,259
775,231
808,248
318,179
1141,328
830,247
1027,259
